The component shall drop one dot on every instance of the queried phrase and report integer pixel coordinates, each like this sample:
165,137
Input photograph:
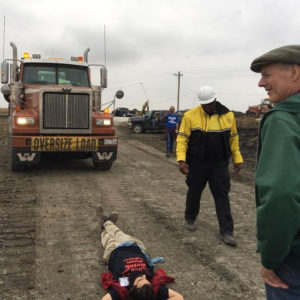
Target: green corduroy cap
285,55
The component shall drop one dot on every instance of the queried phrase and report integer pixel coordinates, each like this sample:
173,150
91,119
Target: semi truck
54,109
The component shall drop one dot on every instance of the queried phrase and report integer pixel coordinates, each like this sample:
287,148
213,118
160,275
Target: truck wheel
124,115
137,128
103,166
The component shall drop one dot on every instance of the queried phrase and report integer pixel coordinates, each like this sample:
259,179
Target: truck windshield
55,74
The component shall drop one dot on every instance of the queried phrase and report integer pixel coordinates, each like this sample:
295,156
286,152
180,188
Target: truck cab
53,108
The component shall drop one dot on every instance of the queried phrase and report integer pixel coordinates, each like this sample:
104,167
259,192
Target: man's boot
113,217
228,239
189,225
102,217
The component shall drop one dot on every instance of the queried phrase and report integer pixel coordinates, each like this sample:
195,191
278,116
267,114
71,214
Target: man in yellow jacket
207,138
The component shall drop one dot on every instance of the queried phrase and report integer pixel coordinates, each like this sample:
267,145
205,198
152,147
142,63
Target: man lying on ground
131,272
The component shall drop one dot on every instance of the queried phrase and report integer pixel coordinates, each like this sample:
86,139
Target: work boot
113,217
228,239
99,210
102,217
168,154
189,225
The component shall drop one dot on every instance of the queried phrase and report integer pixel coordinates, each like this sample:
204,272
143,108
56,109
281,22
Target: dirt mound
244,121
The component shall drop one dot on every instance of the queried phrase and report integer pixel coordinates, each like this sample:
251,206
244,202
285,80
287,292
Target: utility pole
179,74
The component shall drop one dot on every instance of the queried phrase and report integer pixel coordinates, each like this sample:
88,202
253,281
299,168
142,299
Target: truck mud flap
105,155
26,157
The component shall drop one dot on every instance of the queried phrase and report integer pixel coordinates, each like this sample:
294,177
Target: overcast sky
209,41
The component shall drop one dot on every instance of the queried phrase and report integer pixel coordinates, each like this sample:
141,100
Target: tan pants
112,236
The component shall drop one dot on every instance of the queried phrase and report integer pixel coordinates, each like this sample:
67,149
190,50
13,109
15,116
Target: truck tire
137,128
124,115
103,166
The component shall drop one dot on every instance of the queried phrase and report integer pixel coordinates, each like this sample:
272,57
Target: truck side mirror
4,72
119,94
103,77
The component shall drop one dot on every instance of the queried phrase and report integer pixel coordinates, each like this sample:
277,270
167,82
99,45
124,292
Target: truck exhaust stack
14,65
85,55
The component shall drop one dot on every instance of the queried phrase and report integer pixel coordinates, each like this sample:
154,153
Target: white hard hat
206,94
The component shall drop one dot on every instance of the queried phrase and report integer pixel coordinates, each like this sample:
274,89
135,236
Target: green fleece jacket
277,185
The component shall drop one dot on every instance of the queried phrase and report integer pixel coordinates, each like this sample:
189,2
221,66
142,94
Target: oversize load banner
56,144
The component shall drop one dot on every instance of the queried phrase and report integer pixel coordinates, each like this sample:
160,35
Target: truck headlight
25,121
110,141
103,122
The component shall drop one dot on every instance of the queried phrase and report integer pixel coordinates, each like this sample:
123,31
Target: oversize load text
63,144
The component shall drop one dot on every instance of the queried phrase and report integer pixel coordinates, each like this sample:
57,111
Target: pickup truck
151,121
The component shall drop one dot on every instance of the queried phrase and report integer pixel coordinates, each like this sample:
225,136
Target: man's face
210,108
276,79
172,109
141,281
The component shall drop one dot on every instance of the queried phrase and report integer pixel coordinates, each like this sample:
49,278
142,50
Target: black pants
217,175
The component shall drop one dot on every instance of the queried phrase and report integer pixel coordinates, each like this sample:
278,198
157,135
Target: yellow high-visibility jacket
196,123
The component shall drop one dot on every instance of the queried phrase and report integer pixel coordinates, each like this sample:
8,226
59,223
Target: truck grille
65,111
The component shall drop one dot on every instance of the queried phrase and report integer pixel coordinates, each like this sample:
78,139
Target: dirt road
49,235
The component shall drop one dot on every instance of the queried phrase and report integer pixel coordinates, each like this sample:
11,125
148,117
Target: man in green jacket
277,178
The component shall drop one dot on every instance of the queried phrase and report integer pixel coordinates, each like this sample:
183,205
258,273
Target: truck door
148,123
162,121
